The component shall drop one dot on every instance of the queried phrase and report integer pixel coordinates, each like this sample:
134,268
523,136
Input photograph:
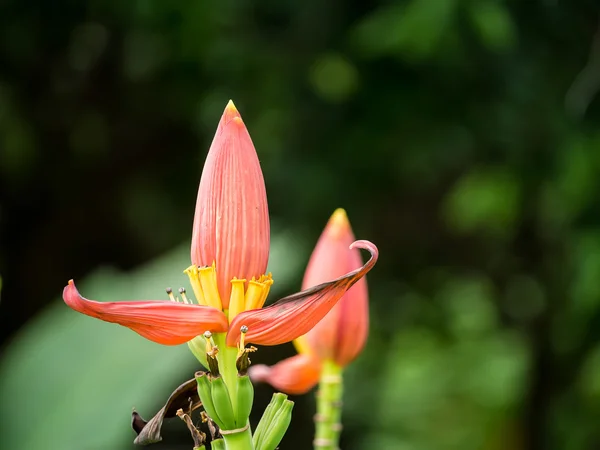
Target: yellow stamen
208,280
257,291
237,301
192,273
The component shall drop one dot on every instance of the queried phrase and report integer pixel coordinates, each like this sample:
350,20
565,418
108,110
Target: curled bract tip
295,315
366,245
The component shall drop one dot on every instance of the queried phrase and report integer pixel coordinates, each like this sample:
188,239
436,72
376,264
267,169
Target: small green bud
279,425
267,417
245,398
205,395
222,403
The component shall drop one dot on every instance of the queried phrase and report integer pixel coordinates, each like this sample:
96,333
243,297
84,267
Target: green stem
329,407
226,358
239,441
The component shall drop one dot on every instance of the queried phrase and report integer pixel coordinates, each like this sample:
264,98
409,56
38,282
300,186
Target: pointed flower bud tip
229,114
338,224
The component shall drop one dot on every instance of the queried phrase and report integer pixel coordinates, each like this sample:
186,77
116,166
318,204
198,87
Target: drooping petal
231,224
164,322
342,333
293,316
296,375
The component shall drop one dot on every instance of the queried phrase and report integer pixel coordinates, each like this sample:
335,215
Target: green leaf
415,30
484,200
494,24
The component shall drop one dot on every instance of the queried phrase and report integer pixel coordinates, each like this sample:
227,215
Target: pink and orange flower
342,333
229,255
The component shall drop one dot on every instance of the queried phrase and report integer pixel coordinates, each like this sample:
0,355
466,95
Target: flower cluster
229,256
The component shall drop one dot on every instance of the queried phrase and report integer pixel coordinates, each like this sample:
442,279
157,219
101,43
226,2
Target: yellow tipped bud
338,223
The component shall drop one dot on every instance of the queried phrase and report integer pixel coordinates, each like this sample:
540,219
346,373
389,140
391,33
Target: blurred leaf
469,306
579,171
585,296
484,200
589,381
414,30
460,390
573,326
333,77
494,24
524,298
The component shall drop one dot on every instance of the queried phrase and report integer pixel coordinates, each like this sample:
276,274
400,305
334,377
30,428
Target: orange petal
296,375
293,316
342,333
231,223
165,322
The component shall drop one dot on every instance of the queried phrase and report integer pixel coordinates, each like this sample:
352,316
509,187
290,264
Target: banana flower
342,334
229,255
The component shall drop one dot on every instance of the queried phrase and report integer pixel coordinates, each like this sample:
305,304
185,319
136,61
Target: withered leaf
185,397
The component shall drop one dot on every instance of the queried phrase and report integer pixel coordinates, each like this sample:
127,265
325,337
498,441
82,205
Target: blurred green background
462,137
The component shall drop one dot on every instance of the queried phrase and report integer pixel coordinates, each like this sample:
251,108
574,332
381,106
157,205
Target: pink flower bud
342,334
231,224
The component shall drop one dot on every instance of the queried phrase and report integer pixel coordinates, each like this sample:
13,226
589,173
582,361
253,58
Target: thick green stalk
329,407
226,358
239,441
